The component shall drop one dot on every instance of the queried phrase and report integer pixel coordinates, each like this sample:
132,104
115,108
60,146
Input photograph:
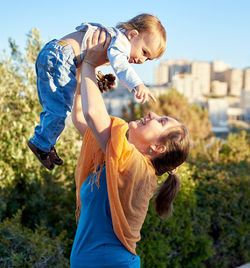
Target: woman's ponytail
166,195
177,145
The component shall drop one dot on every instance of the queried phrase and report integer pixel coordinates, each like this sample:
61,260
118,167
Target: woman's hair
176,141
147,23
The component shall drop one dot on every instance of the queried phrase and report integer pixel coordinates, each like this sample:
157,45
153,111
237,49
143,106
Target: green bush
182,240
225,199
21,247
24,183
223,183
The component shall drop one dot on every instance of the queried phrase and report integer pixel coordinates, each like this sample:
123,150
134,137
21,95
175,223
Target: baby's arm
118,54
127,75
124,71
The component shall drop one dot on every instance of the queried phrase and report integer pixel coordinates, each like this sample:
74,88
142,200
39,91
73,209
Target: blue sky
204,30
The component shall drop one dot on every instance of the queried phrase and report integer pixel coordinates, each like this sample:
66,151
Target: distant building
218,69
220,66
233,101
187,85
159,90
116,99
179,67
114,105
162,74
217,109
201,72
165,72
234,79
245,105
218,88
224,90
235,114
246,81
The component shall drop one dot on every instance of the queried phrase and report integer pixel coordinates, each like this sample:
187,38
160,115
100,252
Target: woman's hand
97,45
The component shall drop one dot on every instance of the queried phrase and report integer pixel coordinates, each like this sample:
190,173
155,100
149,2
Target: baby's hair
105,82
146,23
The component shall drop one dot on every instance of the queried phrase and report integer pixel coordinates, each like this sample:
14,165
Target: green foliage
21,247
226,199
209,226
236,150
182,240
222,190
24,183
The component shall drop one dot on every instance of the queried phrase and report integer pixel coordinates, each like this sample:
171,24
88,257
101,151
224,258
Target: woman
116,175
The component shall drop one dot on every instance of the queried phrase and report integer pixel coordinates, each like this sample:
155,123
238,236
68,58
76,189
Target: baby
135,41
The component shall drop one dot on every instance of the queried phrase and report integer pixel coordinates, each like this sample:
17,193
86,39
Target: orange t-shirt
130,176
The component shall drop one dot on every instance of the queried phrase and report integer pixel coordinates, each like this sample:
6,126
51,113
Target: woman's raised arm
77,114
94,109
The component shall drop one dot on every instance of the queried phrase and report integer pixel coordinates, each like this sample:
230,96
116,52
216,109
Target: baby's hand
142,92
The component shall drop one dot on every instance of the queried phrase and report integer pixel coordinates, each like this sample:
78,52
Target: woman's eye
162,121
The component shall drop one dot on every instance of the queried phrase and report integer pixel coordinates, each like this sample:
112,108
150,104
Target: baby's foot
54,157
42,156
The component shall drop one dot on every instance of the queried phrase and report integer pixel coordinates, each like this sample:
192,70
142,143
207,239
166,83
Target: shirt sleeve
118,55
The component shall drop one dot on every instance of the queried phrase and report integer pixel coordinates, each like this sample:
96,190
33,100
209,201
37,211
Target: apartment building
246,81
218,114
167,69
188,86
201,72
161,74
234,79
218,69
199,81
218,88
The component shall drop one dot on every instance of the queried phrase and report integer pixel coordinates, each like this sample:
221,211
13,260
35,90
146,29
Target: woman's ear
158,148
132,33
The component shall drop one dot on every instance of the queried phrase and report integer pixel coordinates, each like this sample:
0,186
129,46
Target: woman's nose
151,115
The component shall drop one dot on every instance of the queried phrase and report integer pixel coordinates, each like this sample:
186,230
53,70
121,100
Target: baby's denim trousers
56,86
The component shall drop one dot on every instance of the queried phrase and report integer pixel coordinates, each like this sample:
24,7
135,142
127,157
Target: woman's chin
133,124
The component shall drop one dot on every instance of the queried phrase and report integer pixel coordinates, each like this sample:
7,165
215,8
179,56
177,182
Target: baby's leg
56,85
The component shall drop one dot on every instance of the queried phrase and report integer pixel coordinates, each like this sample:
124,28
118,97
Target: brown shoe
54,157
42,156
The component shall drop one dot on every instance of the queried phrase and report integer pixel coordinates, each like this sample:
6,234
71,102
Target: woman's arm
93,106
77,114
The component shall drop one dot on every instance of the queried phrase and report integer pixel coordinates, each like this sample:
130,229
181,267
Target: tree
24,183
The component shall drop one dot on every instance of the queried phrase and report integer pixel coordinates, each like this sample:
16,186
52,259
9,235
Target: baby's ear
132,33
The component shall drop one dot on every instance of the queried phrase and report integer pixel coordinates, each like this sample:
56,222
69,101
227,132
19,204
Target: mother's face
149,129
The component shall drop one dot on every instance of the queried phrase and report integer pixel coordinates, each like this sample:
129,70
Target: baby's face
143,47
